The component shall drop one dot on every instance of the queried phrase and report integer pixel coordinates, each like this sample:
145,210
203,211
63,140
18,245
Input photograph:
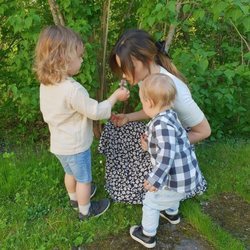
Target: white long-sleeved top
69,112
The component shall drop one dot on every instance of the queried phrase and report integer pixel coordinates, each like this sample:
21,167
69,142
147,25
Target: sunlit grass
35,213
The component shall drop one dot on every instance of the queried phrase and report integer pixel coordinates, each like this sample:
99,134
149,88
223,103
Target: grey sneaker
74,204
173,219
96,209
137,234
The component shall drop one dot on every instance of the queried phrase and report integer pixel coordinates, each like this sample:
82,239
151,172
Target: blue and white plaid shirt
174,162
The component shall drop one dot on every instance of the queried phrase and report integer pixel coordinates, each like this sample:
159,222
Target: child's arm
91,108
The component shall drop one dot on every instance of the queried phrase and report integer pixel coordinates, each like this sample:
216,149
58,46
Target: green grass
35,214
218,237
226,167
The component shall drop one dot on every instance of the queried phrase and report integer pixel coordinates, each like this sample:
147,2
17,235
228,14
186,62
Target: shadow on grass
178,237
232,213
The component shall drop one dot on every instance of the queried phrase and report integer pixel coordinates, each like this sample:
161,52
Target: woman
134,57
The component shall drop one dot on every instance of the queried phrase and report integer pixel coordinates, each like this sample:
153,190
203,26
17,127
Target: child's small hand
122,94
144,142
149,187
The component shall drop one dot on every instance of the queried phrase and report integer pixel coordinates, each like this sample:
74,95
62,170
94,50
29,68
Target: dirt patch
174,237
227,210
232,213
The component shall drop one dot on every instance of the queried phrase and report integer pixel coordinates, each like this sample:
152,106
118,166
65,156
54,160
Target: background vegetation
209,45
208,40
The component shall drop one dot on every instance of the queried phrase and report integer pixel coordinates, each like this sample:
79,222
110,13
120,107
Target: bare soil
232,213
169,237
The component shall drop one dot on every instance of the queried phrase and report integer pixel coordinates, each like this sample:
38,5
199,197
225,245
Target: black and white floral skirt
126,162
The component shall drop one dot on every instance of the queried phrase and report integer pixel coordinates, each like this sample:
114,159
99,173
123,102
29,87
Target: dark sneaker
137,234
173,219
93,190
74,204
96,209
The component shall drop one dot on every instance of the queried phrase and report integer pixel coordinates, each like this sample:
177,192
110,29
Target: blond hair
159,88
55,48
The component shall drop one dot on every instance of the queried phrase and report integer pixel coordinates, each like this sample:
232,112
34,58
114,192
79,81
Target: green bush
209,47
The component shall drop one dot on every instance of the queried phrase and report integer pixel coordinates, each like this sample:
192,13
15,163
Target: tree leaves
207,46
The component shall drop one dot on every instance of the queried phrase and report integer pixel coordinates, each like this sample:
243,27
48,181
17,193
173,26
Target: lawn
35,212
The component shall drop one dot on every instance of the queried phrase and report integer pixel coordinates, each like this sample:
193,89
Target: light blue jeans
153,203
78,165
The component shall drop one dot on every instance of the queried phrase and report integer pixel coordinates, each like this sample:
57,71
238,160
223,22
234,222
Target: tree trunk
172,27
105,29
102,70
55,11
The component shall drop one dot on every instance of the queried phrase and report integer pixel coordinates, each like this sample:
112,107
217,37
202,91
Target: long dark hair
140,45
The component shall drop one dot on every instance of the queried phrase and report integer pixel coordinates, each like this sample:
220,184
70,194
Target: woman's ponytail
163,59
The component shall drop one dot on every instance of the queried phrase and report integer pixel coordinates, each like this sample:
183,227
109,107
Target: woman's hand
149,187
144,142
119,119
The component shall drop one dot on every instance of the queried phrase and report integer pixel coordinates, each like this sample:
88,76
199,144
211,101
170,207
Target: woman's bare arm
199,132
122,119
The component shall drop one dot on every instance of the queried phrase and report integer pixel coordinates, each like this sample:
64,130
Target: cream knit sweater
69,112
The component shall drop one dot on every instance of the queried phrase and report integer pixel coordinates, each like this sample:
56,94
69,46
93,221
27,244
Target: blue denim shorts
78,165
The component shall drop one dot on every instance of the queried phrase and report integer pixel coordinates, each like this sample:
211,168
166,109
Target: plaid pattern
174,161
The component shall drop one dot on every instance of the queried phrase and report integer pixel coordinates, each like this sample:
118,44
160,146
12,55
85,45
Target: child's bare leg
70,183
83,193
83,197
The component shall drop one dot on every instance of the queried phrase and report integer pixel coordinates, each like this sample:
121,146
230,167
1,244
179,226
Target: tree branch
102,69
172,27
57,16
243,39
105,29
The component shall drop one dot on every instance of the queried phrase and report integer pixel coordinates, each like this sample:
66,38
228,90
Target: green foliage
21,24
209,47
209,51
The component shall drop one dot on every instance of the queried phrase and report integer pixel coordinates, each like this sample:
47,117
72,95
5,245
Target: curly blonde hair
55,48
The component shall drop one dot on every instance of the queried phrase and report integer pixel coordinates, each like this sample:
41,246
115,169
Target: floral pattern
126,162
